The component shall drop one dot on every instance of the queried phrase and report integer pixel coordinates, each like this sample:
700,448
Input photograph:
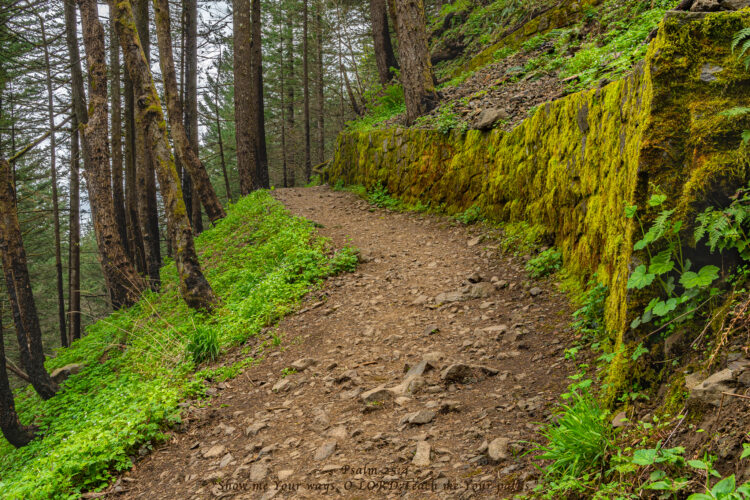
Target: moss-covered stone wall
577,162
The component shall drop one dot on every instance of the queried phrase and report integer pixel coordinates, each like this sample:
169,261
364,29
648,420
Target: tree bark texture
53,177
243,96
123,282
190,77
306,90
185,147
74,230
385,59
135,236
261,153
320,82
18,435
194,287
416,71
290,149
18,285
118,195
148,212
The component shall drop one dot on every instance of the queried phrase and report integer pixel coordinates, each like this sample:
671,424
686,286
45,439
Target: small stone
536,291
379,394
338,432
489,117
456,373
620,420
282,385
422,417
431,329
285,474
474,241
708,72
475,277
481,290
450,297
303,364
215,451
498,449
422,455
448,406
258,472
325,450
255,428
225,461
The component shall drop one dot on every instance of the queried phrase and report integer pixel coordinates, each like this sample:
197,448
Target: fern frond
739,37
735,112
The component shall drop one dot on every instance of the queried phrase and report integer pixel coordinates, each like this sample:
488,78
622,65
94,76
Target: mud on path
421,375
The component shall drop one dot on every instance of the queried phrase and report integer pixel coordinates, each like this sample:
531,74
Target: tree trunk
194,287
185,146
18,435
352,98
292,153
117,189
74,247
190,78
321,89
306,90
218,132
135,236
53,175
243,96
256,70
384,56
18,286
148,212
416,71
285,178
123,282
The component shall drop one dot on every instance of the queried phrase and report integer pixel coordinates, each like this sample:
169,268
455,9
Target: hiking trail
424,374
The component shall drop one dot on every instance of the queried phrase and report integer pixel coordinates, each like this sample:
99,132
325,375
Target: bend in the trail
424,374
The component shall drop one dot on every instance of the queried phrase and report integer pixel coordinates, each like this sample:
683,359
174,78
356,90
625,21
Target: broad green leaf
652,304
640,278
700,496
657,200
724,487
698,464
664,308
644,457
701,279
746,136
635,323
745,451
659,485
657,475
661,263
630,211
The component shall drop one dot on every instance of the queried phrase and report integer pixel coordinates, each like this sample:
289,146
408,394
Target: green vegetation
139,363
471,215
590,316
668,267
382,103
547,262
522,237
444,119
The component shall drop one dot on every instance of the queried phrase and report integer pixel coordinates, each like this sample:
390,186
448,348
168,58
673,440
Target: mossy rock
576,163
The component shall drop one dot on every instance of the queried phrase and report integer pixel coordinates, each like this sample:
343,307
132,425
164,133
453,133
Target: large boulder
61,374
489,117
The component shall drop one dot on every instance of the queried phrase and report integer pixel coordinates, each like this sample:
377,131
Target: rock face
422,455
498,449
503,169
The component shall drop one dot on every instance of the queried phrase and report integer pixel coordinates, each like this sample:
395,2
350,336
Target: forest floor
424,374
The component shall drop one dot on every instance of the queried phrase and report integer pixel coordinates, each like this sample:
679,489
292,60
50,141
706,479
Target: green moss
576,163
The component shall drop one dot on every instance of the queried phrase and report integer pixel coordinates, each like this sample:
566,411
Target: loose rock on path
424,374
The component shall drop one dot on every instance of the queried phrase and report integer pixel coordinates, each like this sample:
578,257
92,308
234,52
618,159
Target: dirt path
399,390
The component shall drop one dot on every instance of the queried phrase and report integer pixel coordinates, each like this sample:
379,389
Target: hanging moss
576,163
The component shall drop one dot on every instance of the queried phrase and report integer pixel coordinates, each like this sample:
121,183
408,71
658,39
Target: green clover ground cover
139,363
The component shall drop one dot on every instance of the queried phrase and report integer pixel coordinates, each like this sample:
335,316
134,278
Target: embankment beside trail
576,163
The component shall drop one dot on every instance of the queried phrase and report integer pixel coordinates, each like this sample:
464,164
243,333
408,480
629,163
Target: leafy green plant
522,237
727,229
590,316
444,120
544,264
259,259
580,439
381,198
287,371
382,103
663,246
471,215
725,489
204,344
741,40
